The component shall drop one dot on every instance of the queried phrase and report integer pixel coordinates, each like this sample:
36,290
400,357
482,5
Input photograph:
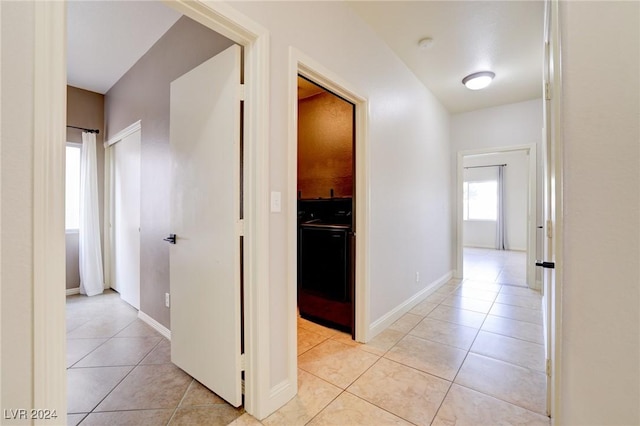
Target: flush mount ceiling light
478,80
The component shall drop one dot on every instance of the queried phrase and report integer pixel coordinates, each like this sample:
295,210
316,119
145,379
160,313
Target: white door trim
299,63
129,130
50,100
531,150
553,300
49,379
109,258
108,191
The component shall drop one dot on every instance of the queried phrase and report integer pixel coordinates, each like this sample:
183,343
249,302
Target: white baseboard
392,316
155,325
72,291
480,246
279,395
493,247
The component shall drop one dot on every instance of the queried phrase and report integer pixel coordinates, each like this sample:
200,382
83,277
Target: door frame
531,150
301,64
553,145
49,378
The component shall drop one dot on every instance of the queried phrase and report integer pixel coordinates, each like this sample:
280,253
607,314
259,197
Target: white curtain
501,235
91,274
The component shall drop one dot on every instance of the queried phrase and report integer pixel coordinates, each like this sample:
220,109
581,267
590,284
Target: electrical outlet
166,300
417,276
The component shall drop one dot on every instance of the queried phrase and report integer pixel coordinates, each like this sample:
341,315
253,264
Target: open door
205,224
551,198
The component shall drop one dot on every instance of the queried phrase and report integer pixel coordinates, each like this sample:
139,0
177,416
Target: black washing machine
325,287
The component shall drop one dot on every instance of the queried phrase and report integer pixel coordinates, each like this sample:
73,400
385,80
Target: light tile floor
120,373
502,267
469,354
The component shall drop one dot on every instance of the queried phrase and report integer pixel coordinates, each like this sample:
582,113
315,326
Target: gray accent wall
143,94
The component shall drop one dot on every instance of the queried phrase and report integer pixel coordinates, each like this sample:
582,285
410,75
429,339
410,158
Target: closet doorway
123,162
325,207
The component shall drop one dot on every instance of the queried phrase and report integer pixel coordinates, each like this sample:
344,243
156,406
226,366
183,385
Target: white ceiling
105,38
505,37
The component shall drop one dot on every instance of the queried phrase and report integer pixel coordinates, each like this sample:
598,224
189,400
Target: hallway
471,353
499,266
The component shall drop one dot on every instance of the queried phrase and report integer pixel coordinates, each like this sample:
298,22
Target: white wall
516,179
16,151
503,126
600,376
410,221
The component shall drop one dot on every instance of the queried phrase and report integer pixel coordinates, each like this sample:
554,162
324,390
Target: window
480,200
72,189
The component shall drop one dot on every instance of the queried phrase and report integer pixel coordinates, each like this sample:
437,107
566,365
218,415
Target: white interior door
548,274
205,217
126,218
552,197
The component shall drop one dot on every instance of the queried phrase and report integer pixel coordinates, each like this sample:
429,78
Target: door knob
171,239
549,265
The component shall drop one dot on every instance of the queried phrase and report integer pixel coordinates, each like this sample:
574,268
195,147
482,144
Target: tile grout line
406,333
464,360
345,390
430,374
184,395
107,339
108,393
489,357
486,315
92,411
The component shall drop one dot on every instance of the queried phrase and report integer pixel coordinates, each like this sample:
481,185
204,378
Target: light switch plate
276,201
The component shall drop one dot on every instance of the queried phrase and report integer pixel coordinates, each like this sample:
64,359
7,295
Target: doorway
304,66
124,213
325,206
49,334
478,255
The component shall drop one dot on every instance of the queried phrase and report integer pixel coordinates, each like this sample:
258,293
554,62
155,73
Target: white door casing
205,217
125,218
552,200
49,379
301,64
531,206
